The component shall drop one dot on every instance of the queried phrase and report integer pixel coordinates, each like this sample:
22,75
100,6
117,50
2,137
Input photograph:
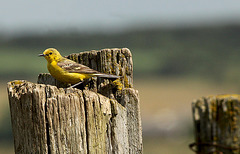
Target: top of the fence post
111,61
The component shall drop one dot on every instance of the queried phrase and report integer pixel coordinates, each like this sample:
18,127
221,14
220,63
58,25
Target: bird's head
51,54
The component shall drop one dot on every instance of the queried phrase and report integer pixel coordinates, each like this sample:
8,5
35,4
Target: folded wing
73,67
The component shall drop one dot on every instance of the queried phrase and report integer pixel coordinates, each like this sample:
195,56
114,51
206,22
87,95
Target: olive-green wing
73,67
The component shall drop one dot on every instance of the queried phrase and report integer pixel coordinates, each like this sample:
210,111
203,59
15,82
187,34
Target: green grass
20,63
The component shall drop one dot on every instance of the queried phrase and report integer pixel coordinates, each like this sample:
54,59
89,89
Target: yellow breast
64,76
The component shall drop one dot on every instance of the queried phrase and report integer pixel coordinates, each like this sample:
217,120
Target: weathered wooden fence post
104,117
217,124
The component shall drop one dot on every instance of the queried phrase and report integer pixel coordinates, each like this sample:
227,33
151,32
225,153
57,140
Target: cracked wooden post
99,118
217,124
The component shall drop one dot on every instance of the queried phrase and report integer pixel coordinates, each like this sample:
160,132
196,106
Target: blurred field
176,93
6,142
165,110
186,64
6,148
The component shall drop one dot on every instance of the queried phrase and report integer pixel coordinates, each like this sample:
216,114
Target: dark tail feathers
107,76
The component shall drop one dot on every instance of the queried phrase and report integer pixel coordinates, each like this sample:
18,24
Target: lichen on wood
216,123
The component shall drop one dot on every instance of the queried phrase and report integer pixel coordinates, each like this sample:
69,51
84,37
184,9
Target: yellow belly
64,76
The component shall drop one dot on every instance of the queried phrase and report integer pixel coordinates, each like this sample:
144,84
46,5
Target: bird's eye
50,53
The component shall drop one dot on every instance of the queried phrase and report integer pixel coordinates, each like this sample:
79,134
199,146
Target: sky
112,15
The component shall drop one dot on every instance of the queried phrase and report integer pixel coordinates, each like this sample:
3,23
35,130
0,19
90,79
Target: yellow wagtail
68,71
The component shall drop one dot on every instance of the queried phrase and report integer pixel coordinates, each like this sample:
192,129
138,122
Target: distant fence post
217,124
101,118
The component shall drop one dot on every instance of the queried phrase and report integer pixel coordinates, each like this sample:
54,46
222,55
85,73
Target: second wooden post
217,124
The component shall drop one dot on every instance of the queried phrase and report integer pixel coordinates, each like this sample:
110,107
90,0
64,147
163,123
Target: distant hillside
211,52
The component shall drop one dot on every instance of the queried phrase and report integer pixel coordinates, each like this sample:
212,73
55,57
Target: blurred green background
181,51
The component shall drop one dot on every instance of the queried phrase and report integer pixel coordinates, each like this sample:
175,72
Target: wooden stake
216,122
100,118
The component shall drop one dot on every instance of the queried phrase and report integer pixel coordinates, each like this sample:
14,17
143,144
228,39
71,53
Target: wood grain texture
97,118
216,122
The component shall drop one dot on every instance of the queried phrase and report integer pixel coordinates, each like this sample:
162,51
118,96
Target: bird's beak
41,55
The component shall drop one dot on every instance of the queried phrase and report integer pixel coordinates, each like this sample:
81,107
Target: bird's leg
76,84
